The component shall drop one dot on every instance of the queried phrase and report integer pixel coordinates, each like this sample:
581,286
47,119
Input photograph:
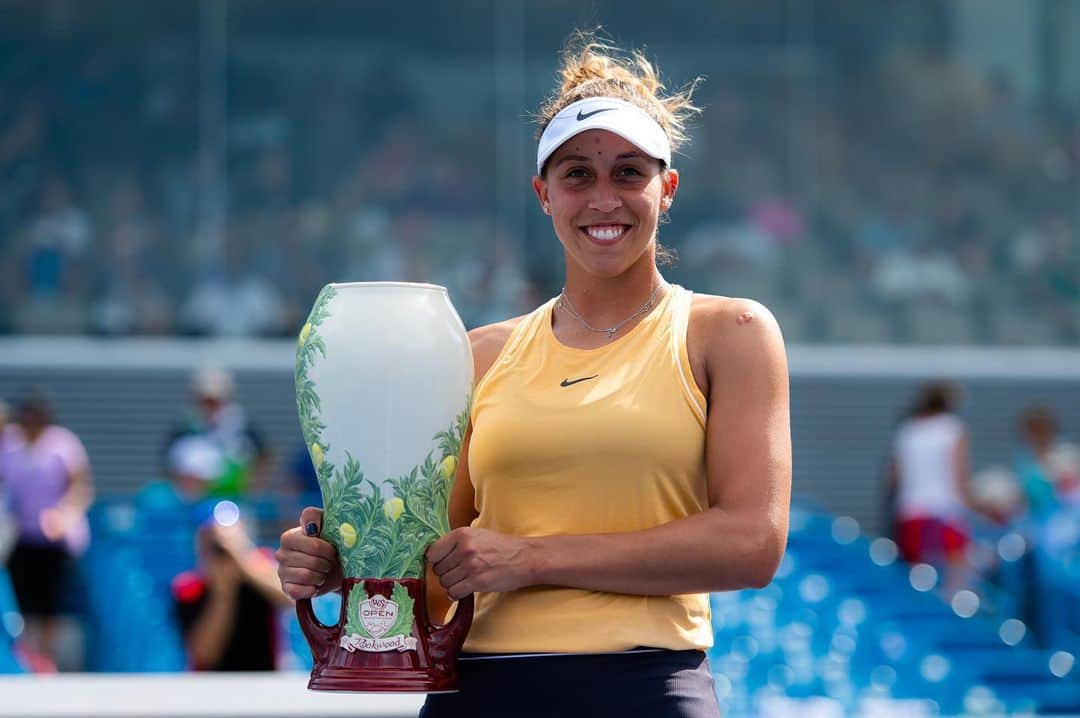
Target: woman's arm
70,510
737,542
80,492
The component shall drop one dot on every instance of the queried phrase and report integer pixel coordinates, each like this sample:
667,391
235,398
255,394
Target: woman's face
605,197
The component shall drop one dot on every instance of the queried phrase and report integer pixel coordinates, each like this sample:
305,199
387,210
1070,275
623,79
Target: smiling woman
607,483
605,198
600,90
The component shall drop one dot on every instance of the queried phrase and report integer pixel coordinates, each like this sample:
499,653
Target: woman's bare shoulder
719,313
723,327
487,341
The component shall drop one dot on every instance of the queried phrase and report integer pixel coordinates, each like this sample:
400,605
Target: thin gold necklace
564,302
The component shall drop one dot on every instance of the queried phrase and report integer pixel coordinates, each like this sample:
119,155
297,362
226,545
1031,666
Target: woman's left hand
469,559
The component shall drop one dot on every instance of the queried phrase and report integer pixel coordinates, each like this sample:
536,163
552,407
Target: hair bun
590,67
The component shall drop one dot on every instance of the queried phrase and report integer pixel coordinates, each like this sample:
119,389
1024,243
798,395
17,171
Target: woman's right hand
307,565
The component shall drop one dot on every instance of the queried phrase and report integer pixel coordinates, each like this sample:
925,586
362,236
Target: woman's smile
605,235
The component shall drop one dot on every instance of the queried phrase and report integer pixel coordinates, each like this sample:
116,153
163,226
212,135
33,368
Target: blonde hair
590,67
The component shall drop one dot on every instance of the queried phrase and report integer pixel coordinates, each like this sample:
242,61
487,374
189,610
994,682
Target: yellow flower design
393,508
305,332
347,534
448,466
316,454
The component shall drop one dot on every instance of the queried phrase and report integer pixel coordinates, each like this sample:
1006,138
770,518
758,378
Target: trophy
384,379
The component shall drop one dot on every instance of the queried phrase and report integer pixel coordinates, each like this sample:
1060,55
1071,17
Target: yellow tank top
579,441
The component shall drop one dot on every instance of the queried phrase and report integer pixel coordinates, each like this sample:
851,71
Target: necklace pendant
611,333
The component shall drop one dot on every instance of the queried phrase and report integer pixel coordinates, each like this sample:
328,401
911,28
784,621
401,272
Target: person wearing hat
221,423
629,446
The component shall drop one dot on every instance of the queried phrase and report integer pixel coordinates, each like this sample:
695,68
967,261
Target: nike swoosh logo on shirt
567,382
587,115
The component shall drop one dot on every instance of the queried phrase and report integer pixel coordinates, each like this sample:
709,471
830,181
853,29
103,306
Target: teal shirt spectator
1037,485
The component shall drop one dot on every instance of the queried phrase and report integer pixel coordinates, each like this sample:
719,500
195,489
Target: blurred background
897,182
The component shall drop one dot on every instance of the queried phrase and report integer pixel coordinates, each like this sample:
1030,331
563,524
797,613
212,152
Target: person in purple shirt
45,473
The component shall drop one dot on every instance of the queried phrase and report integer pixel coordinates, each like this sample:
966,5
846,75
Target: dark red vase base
431,668
385,680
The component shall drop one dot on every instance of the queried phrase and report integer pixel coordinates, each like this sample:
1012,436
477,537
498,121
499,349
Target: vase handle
450,638
319,637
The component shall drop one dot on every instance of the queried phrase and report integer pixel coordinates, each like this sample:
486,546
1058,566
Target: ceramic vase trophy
383,385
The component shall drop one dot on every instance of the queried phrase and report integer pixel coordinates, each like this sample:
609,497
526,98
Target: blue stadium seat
836,626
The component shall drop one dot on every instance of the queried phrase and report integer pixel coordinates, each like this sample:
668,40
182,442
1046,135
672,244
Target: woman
629,449
45,472
931,479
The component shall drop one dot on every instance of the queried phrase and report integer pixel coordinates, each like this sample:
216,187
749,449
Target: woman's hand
469,559
307,565
58,521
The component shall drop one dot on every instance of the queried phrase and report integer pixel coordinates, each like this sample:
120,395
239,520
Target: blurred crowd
116,219
908,199
1000,534
933,205
222,586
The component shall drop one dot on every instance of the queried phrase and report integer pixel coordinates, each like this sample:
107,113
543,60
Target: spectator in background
227,608
931,478
46,473
130,296
54,250
234,299
1047,466
223,426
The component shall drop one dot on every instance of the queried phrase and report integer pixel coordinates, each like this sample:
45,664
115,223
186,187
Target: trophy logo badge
377,615
379,624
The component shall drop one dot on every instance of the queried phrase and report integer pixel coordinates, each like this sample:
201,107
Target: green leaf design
307,399
383,547
352,614
404,621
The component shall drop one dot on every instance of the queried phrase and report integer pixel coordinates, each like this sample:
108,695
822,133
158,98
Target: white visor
604,113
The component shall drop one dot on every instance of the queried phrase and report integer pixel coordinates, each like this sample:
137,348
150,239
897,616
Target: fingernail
311,528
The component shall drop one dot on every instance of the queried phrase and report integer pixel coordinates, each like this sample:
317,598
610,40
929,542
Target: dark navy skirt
657,684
